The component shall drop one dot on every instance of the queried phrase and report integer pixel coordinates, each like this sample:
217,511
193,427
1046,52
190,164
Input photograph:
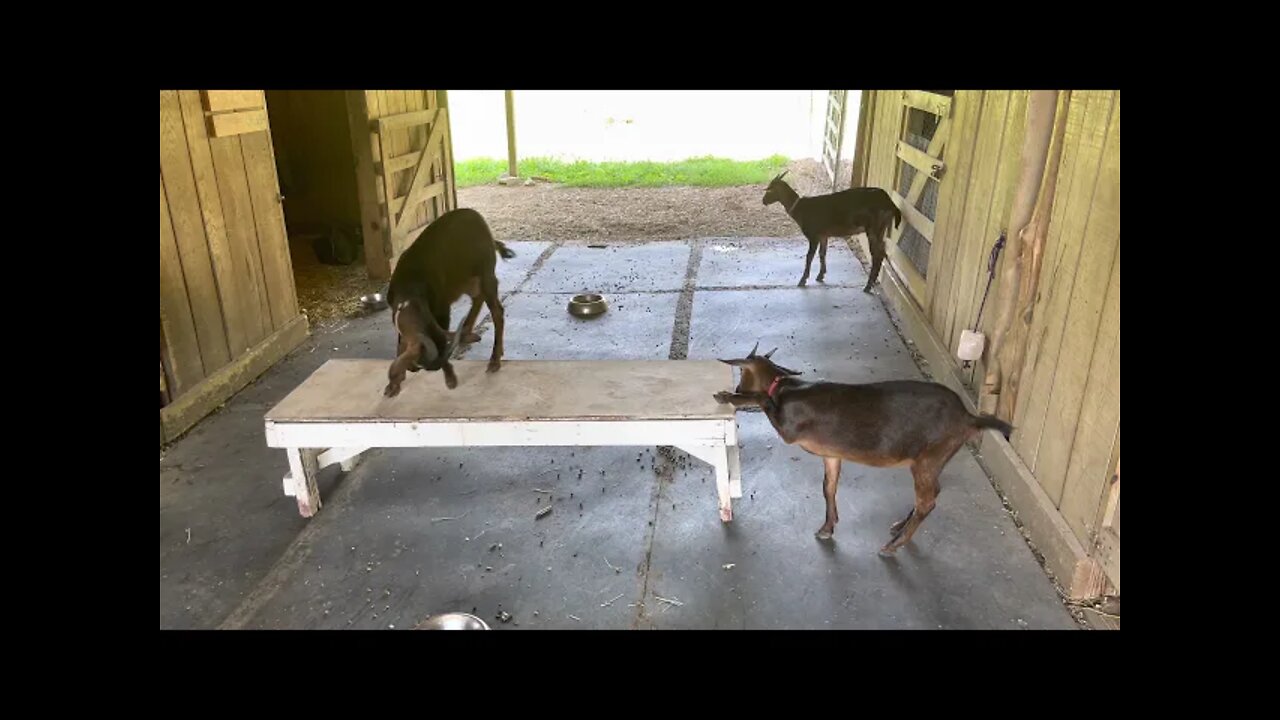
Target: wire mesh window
919,130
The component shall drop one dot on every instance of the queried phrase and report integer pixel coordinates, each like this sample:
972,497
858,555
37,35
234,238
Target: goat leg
468,325
896,528
490,289
822,260
450,379
740,400
396,373
924,506
875,243
808,261
830,480
925,472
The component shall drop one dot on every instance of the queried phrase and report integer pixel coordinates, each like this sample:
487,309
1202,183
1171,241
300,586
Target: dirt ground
331,294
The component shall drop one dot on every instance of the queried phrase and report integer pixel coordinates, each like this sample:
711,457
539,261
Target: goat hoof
823,534
887,551
494,366
819,278
391,391
802,283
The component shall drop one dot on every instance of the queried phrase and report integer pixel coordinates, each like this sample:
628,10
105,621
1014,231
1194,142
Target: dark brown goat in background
455,254
842,214
911,423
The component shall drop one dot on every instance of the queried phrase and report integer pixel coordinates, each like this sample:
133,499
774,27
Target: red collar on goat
773,387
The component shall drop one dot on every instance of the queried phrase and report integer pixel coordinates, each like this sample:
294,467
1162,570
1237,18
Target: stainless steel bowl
588,305
453,621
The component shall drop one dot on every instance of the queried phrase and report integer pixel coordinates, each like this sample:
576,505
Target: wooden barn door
228,306
404,167
833,135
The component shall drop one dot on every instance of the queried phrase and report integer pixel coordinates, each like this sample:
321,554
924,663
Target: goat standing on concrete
455,254
842,214
911,423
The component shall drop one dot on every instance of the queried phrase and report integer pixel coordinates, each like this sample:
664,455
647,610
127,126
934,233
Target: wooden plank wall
1067,421
226,279
984,204
1068,412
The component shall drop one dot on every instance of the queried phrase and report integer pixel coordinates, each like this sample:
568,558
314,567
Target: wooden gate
833,135
404,168
925,165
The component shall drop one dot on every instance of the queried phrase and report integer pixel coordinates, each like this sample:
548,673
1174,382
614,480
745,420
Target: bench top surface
351,391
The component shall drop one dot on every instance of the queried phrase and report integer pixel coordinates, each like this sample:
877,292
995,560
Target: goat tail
984,422
505,252
897,216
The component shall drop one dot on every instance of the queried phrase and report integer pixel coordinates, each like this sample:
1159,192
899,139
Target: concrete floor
410,533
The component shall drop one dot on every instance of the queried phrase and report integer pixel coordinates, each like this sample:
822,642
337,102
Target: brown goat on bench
842,214
454,255
910,423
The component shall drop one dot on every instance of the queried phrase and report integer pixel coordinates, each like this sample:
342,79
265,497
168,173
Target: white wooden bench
340,412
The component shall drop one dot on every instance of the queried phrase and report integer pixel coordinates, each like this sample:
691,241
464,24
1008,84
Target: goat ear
735,363
788,371
770,353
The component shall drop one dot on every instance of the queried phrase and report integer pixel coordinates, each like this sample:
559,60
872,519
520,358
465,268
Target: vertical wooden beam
1015,344
303,468
835,170
1035,153
450,176
376,261
512,171
858,177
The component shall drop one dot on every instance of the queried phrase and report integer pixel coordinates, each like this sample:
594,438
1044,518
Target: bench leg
723,486
735,471
718,457
303,468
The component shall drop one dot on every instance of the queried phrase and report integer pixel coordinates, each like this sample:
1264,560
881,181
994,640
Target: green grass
703,171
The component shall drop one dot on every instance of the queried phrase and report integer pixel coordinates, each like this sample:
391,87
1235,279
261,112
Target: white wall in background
645,124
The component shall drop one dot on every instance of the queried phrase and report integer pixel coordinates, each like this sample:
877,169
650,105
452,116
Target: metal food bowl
588,305
453,621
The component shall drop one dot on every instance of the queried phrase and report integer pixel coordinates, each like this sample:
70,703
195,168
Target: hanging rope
991,276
